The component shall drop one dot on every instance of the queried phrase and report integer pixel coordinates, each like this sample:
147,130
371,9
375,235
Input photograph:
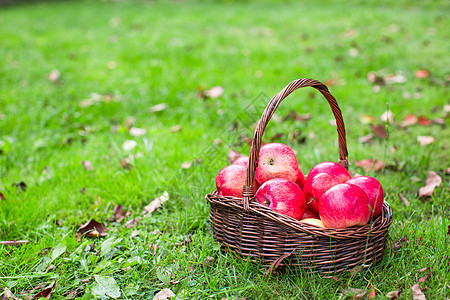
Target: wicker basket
260,234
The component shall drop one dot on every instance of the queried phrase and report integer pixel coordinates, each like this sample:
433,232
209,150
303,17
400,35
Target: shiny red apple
374,192
276,160
344,205
320,179
241,161
230,181
283,196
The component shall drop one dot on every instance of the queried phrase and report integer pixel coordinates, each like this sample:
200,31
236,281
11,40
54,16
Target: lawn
110,103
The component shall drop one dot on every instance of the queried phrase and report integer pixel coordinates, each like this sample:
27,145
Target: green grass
164,52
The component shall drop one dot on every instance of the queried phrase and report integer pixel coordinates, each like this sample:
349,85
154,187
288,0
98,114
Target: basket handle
248,192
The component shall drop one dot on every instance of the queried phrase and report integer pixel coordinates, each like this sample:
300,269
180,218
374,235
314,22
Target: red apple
344,205
300,181
230,181
283,196
241,161
276,161
320,179
374,192
310,214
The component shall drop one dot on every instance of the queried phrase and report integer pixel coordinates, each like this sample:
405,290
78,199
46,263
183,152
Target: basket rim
381,222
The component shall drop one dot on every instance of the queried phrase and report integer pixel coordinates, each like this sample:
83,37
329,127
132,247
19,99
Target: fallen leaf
126,163
208,261
134,233
421,74
370,164
7,294
158,107
366,139
355,293
45,293
409,120
13,243
129,121
425,140
400,243
387,116
129,145
86,280
134,131
393,295
233,155
92,228
396,78
353,52
54,75
2,197
365,119
433,181
176,128
154,248
447,171
87,165
439,121
214,92
164,294
186,165
422,279
372,292
379,130
448,230
404,200
156,203
417,292
119,213
296,117
424,121
132,223
73,294
106,286
22,185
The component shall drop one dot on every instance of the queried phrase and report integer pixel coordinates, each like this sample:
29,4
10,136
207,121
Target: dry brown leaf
417,292
156,203
387,116
134,233
87,165
92,228
119,213
404,200
355,293
425,140
176,128
370,164
129,145
21,185
379,130
164,294
126,163
424,121
132,223
372,292
448,230
296,117
45,293
158,107
233,155
214,92
186,165
2,197
409,120
86,280
134,131
129,121
433,181
54,75
422,279
421,74
186,241
365,119
366,139
154,248
393,295
13,243
400,243
7,294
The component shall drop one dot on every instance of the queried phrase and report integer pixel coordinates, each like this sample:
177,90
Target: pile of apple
329,197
